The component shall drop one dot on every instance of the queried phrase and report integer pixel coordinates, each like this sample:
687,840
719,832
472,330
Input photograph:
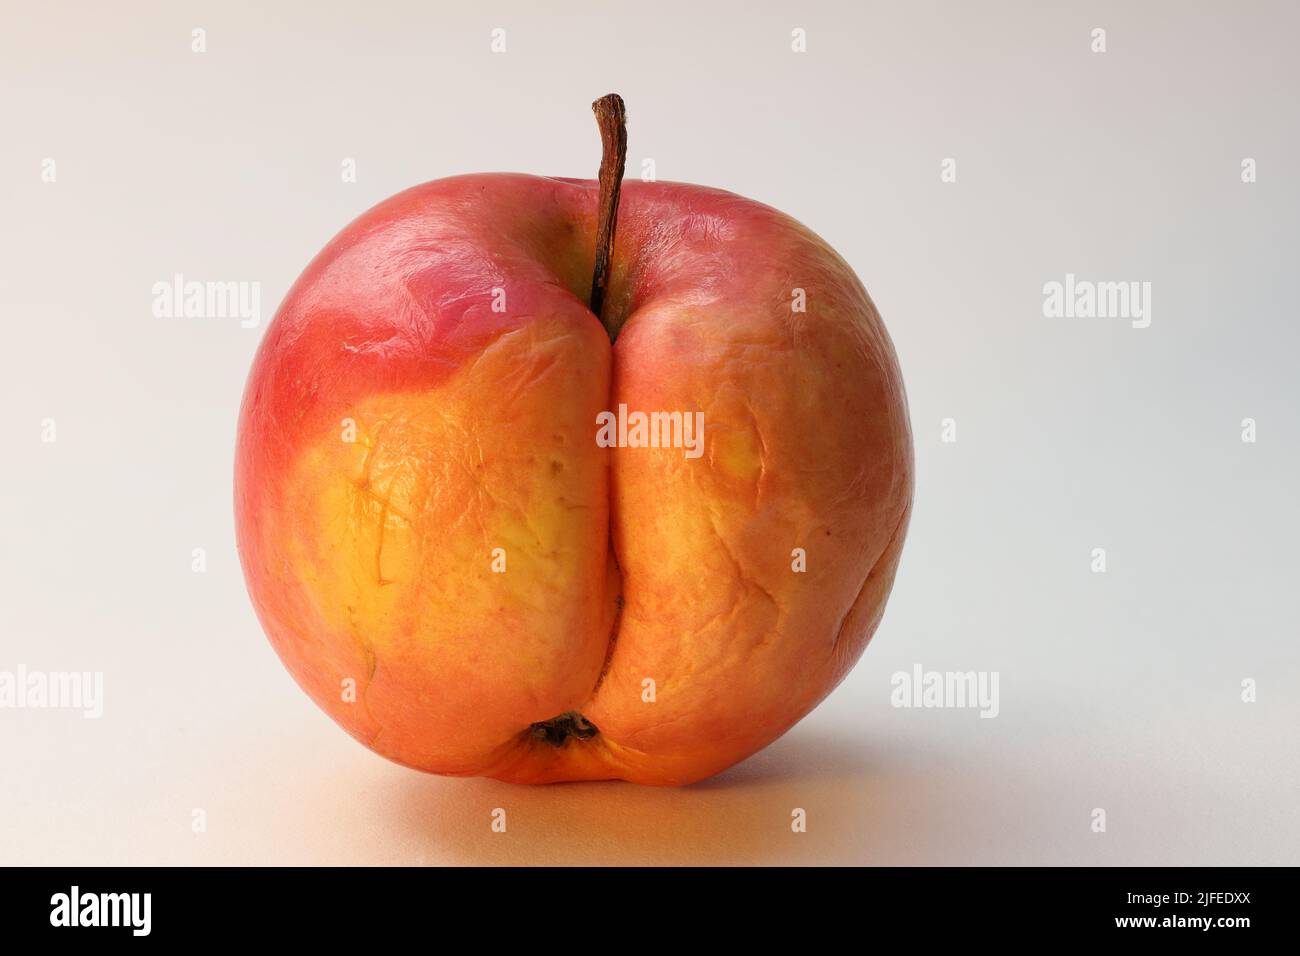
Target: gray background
1118,690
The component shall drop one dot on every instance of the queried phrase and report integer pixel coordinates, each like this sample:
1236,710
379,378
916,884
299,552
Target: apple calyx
558,730
611,117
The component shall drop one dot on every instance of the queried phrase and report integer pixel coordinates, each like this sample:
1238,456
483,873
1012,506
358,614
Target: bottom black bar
366,905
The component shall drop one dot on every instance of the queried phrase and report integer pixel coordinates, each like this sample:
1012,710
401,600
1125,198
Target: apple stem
611,117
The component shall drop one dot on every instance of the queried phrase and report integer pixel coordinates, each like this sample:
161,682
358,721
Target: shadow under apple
743,815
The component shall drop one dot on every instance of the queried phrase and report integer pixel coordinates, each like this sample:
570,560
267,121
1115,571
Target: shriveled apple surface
505,596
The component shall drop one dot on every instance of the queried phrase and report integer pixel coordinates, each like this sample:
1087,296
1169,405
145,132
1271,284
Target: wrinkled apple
503,518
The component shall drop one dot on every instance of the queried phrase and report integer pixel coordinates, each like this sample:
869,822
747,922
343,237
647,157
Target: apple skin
370,561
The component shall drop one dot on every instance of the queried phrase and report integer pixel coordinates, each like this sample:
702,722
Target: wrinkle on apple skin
886,563
749,582
613,585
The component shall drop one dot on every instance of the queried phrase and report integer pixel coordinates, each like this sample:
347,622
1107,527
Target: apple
550,479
